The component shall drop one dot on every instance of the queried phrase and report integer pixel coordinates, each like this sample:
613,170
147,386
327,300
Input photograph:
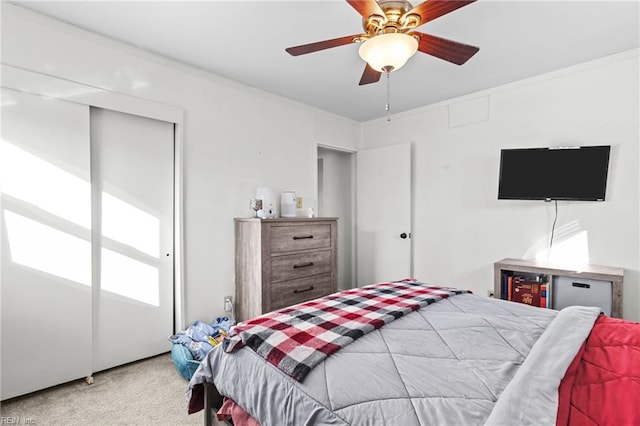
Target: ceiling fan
389,39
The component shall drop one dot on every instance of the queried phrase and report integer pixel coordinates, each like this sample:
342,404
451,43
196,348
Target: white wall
235,138
460,226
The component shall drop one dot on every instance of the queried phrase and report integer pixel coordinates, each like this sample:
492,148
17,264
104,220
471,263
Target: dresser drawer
289,293
282,262
299,237
300,265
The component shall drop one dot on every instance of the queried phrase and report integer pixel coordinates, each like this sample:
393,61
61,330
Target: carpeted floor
148,392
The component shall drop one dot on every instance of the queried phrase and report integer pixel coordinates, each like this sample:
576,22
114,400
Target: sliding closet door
45,212
132,176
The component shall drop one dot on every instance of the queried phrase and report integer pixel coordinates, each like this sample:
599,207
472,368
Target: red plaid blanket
297,338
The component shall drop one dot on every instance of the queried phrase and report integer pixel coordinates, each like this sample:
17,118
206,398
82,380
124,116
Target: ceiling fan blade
320,45
366,8
369,76
449,50
432,9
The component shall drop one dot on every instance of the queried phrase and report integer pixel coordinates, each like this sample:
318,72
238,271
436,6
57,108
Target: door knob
403,235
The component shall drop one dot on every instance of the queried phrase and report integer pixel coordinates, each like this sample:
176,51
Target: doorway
336,198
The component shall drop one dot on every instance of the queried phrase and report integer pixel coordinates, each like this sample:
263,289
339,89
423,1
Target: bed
453,358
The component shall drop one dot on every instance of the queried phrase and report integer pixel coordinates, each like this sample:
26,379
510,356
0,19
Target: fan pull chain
387,108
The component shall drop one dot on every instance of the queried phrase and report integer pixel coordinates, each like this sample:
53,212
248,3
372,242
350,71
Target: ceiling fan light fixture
388,51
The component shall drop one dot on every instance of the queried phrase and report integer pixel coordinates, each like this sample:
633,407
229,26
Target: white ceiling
245,41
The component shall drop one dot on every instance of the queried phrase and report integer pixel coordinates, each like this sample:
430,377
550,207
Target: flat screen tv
573,173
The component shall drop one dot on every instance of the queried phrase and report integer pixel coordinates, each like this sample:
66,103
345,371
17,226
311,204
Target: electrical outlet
228,303
490,293
298,202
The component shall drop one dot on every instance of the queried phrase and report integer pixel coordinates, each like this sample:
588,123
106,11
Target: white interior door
132,176
383,214
45,212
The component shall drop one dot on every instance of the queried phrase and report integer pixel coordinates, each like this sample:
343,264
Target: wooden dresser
284,261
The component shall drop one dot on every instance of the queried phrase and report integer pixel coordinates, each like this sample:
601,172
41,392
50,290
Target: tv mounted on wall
564,173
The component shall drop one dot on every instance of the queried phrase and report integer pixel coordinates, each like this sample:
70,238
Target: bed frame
212,400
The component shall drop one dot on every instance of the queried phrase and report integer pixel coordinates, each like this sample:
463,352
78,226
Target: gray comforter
465,360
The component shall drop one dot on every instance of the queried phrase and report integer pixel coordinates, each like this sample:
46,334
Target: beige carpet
148,392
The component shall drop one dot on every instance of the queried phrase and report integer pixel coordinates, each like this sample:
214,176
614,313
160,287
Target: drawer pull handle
297,291
582,285
303,265
306,237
